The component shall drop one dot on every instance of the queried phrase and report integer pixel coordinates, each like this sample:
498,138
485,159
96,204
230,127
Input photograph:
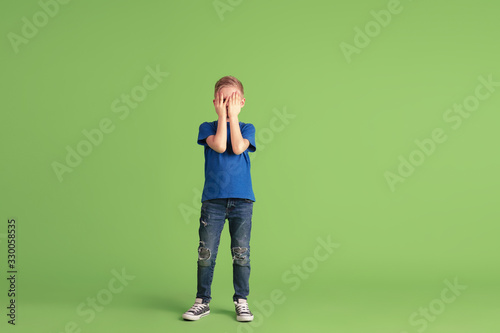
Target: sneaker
242,311
197,311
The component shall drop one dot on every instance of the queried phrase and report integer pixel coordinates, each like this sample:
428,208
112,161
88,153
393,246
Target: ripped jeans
214,213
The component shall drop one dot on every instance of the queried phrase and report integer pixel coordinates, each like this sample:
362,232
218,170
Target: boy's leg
240,225
211,224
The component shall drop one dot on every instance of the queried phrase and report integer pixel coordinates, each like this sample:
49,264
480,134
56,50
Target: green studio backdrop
375,175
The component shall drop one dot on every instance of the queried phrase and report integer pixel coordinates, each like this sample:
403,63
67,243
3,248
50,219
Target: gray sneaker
197,311
242,311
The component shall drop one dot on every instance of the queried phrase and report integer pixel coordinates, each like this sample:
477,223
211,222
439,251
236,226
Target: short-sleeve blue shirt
227,175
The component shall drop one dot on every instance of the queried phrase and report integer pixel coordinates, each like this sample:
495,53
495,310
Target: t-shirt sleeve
206,129
248,132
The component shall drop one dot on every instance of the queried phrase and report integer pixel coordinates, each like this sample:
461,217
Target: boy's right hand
220,105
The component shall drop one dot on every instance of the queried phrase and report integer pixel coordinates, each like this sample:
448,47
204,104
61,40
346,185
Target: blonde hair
228,81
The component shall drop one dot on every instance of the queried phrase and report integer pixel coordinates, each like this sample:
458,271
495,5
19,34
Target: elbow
220,148
239,150
217,146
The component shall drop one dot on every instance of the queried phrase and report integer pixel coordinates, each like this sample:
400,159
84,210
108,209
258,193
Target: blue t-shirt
227,175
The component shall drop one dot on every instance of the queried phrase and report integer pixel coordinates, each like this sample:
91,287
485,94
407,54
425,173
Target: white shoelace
242,308
197,307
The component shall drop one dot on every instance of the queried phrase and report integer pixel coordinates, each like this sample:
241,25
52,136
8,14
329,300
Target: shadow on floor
176,304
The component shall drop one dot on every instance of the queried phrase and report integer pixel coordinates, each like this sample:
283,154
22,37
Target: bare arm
238,143
218,141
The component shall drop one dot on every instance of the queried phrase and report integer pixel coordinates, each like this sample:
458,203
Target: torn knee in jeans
203,252
240,255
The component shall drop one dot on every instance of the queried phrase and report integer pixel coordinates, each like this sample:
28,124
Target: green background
133,202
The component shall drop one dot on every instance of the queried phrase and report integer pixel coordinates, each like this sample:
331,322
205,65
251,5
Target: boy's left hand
234,105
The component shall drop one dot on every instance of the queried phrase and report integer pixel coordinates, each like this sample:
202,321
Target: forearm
220,138
238,144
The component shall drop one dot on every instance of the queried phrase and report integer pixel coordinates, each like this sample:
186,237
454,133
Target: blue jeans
214,213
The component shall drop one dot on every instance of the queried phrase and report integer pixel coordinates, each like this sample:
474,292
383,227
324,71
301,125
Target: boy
227,194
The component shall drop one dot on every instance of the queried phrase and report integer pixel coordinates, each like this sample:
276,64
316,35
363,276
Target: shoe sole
193,317
244,318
